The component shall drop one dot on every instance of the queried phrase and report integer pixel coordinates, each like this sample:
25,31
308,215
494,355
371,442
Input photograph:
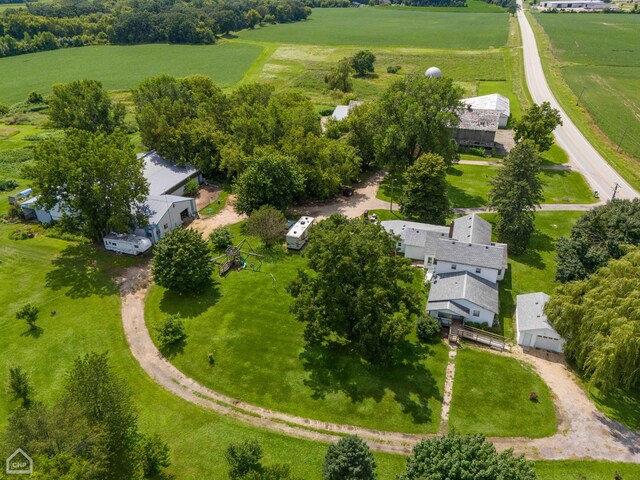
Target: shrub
21,234
29,313
221,238
427,327
3,109
155,455
349,458
35,97
267,223
6,185
393,68
191,188
171,331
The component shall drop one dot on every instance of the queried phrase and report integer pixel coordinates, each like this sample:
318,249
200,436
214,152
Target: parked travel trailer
297,235
126,243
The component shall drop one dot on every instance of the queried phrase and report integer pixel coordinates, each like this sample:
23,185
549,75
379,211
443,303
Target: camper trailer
297,235
126,243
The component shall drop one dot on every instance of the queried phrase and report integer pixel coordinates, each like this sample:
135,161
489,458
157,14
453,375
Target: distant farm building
533,329
584,5
342,111
494,103
165,206
433,72
477,128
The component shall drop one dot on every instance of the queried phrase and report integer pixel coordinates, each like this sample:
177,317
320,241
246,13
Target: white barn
494,102
533,329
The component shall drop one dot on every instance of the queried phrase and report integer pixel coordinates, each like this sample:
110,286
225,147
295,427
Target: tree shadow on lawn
507,302
83,271
33,332
176,348
461,199
335,369
540,242
190,306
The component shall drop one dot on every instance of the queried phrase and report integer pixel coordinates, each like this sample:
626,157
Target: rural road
600,175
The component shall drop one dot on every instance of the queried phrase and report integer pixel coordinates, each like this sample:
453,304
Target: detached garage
532,327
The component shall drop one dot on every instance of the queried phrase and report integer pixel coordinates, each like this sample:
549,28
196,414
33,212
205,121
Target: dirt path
226,216
448,390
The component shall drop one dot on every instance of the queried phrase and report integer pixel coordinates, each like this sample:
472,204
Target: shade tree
349,459
424,194
537,125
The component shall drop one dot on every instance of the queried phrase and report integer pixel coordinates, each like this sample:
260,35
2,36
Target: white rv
297,235
126,243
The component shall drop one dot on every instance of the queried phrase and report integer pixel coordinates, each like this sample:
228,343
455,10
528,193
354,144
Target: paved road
584,158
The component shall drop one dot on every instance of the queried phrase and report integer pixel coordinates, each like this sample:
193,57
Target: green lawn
122,67
77,283
218,204
491,396
618,405
535,269
377,27
583,469
469,186
244,321
593,69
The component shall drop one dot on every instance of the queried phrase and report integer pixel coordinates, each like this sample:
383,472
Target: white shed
533,329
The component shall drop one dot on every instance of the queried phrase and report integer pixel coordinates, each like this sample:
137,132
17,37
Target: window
499,272
136,246
166,226
478,270
454,266
429,261
476,313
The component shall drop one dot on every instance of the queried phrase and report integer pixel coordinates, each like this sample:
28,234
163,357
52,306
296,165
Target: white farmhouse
416,240
533,329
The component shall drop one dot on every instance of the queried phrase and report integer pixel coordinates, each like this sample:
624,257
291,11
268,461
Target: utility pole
580,96
621,139
615,190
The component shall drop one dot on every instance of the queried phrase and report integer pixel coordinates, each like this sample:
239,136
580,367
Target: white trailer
126,243
297,235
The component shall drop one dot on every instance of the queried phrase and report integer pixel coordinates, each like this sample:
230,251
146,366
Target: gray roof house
533,329
474,254
164,177
471,228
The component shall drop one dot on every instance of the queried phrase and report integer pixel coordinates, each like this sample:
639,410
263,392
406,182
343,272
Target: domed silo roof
433,72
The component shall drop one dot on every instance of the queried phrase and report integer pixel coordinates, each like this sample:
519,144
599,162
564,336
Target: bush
171,331
350,458
29,313
393,69
3,109
191,188
22,234
427,327
267,223
35,97
221,238
325,112
6,185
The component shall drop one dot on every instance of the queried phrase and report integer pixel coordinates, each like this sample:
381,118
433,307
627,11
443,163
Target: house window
478,270
499,272
166,226
429,261
454,266
476,313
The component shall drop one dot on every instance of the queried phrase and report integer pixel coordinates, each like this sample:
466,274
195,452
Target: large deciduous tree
454,457
84,105
515,192
537,124
349,459
94,178
424,195
600,319
270,179
362,62
414,116
268,224
339,77
357,289
598,236
181,261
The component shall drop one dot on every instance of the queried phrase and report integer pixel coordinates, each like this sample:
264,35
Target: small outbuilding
494,103
342,111
533,329
477,128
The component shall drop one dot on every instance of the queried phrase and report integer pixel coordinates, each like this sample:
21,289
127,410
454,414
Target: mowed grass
583,469
491,396
535,269
77,282
123,67
383,27
469,186
260,356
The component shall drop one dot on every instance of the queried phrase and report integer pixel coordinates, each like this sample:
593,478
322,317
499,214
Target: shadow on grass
33,332
461,199
540,242
173,349
82,270
334,369
507,303
621,406
189,306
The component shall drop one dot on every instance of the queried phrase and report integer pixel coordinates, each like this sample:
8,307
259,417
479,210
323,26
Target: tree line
48,26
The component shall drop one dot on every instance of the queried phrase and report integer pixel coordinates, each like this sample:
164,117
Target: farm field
594,56
383,27
260,356
487,385
122,67
581,469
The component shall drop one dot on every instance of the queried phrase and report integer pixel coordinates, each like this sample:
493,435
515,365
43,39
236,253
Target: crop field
599,60
122,67
382,27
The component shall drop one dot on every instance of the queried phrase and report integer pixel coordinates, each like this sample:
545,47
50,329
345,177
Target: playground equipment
235,258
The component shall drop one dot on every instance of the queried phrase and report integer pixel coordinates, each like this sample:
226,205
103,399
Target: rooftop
449,287
163,177
530,312
342,111
471,228
478,255
410,231
494,101
157,205
483,120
